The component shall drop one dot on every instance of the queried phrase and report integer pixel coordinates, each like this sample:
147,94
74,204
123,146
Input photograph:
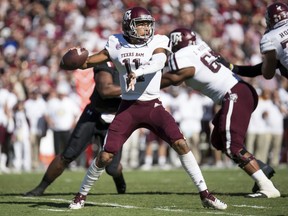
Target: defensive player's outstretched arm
242,70
248,71
260,69
105,85
95,59
176,77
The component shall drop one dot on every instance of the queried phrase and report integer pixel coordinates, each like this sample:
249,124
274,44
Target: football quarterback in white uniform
139,57
129,57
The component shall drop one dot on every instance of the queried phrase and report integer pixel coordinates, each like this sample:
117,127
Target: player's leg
192,168
250,165
267,170
116,136
80,138
170,133
93,174
114,169
231,123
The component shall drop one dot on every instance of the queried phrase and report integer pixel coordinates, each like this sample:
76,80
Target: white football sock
261,179
92,175
259,176
191,166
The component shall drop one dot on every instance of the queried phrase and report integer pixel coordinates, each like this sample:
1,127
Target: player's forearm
269,68
270,63
95,59
155,64
248,71
165,82
110,91
170,79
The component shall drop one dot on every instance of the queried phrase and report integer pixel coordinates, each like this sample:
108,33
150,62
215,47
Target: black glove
223,61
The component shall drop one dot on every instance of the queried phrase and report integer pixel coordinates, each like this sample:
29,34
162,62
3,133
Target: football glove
223,61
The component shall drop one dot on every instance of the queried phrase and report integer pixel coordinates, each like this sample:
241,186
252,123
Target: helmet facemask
134,16
133,26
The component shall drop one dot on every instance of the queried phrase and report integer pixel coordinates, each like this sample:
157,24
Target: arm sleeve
248,71
156,63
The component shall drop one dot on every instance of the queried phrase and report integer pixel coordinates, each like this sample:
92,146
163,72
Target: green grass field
148,193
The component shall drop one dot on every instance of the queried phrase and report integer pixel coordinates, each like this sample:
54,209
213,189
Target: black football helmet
130,19
275,13
182,37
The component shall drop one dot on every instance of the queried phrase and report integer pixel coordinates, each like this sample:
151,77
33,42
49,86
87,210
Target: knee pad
241,158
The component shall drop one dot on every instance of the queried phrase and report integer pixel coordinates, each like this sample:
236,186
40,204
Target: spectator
131,150
35,108
275,122
257,133
21,140
61,116
191,114
7,101
154,143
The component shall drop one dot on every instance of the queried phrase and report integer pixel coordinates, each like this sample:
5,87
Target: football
74,58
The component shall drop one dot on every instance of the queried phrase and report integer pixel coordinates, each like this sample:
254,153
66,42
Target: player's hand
131,81
223,61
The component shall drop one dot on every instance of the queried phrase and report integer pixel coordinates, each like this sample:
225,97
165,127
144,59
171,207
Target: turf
148,193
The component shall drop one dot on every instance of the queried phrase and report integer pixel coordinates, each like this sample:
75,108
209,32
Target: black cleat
267,170
120,184
35,192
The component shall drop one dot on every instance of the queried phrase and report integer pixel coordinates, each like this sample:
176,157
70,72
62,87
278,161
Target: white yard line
53,210
253,206
164,208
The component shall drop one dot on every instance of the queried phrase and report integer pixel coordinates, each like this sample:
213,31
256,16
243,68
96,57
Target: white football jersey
211,78
128,57
277,39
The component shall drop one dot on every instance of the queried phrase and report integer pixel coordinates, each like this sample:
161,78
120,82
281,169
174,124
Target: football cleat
78,201
267,170
271,193
212,202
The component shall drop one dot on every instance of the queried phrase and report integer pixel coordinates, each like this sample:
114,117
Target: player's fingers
131,84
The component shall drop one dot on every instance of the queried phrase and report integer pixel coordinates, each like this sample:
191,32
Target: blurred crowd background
37,99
